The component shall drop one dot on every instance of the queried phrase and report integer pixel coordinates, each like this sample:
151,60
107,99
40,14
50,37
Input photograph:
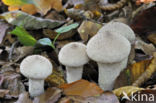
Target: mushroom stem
36,87
73,73
109,72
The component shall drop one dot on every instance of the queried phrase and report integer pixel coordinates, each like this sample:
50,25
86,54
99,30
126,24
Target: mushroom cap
36,67
119,28
73,55
108,48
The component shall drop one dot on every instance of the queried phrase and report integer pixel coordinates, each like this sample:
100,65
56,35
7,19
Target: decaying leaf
88,29
147,73
52,34
81,88
3,92
106,97
12,83
56,78
3,28
145,22
24,98
132,73
51,95
19,18
78,14
44,6
127,90
152,38
146,48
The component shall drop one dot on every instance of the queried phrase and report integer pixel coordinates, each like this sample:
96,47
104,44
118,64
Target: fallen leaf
3,92
147,73
3,28
106,97
52,34
127,90
45,5
19,18
78,14
51,95
12,83
29,8
152,38
81,88
146,48
145,23
24,98
56,78
88,29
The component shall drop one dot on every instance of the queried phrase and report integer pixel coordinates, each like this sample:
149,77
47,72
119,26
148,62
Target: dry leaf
52,34
56,78
24,98
3,28
12,83
106,97
152,38
138,68
29,8
146,48
3,92
145,22
19,18
51,95
88,29
81,88
44,6
148,72
127,89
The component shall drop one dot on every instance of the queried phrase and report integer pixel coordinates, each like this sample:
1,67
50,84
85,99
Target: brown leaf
88,29
52,34
45,5
81,88
3,28
145,22
51,95
24,98
146,48
147,73
3,92
106,97
12,83
132,73
56,78
152,38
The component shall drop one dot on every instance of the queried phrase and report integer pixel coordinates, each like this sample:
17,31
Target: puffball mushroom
36,68
73,56
119,28
110,51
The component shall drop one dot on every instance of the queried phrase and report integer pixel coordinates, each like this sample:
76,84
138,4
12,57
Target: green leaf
23,36
67,28
46,41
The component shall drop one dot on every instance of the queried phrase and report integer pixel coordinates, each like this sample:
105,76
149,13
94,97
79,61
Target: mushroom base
109,72
73,74
36,87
